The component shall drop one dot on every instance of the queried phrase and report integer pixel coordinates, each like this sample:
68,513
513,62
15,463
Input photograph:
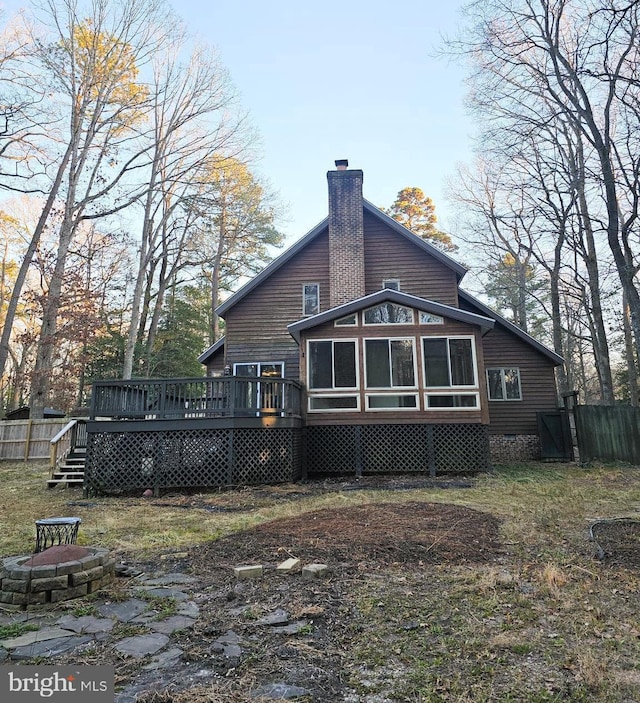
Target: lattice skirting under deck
120,462
418,448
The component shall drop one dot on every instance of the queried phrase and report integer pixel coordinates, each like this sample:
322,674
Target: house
401,369
356,351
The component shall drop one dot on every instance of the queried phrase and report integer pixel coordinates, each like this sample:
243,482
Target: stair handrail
61,446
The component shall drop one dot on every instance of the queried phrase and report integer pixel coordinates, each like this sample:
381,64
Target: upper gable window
348,321
427,318
391,283
388,314
310,298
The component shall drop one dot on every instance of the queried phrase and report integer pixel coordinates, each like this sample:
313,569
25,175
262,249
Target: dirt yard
482,590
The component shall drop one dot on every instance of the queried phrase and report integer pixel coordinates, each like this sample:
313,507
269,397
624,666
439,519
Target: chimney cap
342,164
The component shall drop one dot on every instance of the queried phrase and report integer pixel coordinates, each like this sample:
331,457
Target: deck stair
68,455
71,471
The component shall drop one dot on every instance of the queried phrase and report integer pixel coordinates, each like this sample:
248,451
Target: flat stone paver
189,609
125,610
165,660
50,648
292,629
142,645
171,624
86,624
166,593
29,638
229,645
278,617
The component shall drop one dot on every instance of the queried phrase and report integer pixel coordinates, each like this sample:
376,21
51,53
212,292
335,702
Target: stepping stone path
62,635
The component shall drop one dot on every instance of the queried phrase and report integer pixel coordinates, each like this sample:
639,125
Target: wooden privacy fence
609,433
26,440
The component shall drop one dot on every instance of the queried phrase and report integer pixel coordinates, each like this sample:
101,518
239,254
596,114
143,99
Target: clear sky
336,79
354,79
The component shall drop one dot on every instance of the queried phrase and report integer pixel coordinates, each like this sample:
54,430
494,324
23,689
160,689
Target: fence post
569,401
27,441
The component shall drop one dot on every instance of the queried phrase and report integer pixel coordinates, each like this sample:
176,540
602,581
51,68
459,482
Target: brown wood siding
389,255
537,378
449,328
502,348
256,328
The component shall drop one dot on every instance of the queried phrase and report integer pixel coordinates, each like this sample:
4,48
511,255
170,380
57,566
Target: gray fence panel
608,433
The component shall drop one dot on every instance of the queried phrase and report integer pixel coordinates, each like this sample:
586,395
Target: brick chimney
346,234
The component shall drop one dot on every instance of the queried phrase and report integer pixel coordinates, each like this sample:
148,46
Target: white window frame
393,390
395,281
436,319
503,382
387,324
304,299
431,394
391,409
340,321
452,390
310,397
333,390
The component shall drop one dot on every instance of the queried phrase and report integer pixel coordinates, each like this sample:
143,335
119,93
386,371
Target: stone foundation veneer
25,586
505,448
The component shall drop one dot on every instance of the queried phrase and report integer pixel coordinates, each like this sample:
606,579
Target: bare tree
562,64
195,123
92,64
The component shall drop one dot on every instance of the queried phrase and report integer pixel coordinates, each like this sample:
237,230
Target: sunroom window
388,314
449,362
332,364
390,363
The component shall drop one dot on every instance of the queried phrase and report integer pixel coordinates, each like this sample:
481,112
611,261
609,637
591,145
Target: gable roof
555,358
279,262
394,296
208,353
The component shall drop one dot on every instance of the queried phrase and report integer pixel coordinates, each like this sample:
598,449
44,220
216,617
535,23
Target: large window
332,364
504,383
310,298
332,368
449,362
389,363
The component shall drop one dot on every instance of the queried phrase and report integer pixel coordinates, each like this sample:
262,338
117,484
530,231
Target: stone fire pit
57,574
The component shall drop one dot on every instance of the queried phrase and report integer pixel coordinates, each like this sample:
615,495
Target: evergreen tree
413,209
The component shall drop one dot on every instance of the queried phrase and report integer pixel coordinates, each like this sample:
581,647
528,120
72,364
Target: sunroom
393,357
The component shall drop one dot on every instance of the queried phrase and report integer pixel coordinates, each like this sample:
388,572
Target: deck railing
186,398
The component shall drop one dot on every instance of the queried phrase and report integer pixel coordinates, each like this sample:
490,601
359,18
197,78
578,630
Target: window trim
304,299
475,394
415,408
391,387
347,324
333,390
390,280
387,324
310,397
474,359
503,383
438,321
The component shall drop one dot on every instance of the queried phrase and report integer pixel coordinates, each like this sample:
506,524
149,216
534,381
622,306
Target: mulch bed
384,533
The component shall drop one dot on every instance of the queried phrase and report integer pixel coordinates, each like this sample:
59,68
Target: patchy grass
539,621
